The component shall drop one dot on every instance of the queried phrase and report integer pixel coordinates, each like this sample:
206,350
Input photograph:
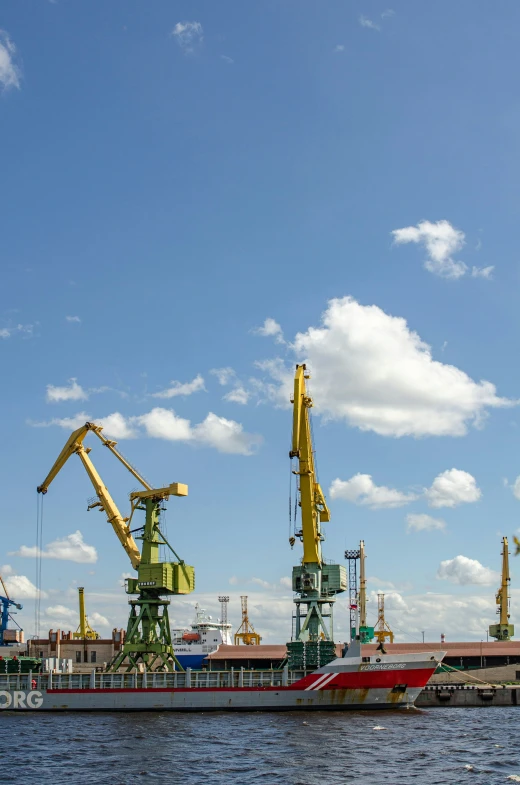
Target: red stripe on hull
362,680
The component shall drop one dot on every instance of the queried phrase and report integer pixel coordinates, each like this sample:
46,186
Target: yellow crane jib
503,631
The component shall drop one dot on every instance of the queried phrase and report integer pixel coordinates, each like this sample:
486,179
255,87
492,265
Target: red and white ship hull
377,682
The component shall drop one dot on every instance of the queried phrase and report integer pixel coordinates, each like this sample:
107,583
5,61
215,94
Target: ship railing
237,678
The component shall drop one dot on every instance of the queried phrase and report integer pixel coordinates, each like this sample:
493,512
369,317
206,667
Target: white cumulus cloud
421,522
270,329
72,392
188,35
362,490
19,586
179,388
70,548
117,426
165,424
451,488
73,319
371,370
441,241
465,572
226,436
9,71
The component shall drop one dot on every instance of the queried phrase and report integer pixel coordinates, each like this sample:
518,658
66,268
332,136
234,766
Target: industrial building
84,653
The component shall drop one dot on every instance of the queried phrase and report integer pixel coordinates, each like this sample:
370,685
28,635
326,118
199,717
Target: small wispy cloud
226,59
73,319
339,48
9,72
270,329
181,388
483,272
188,35
24,329
364,21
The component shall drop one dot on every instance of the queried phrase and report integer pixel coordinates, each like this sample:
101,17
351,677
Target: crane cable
38,578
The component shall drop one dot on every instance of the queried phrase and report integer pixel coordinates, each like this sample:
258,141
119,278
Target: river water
417,746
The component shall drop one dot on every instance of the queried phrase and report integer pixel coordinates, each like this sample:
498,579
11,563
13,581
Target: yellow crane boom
314,508
74,446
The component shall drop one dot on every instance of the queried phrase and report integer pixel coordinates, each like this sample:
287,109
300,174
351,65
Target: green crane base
148,640
309,655
502,632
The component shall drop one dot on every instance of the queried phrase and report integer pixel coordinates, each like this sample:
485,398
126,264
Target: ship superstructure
193,644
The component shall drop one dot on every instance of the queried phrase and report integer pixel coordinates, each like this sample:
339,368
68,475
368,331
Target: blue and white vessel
192,645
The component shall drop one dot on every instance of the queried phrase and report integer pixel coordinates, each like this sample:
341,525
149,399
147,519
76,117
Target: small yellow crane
246,632
84,631
382,629
503,631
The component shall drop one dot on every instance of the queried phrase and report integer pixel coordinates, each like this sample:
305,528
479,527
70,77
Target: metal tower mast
352,559
503,631
223,609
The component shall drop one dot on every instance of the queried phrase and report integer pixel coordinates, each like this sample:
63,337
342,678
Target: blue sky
175,174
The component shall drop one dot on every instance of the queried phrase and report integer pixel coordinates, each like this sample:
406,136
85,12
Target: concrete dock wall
468,695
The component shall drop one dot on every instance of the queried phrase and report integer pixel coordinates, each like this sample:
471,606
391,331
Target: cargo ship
381,681
204,637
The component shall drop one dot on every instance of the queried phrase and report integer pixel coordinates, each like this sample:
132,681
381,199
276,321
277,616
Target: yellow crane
382,629
84,631
315,582
148,636
503,631
246,632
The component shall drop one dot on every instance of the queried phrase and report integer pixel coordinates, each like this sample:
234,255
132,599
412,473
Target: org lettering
20,700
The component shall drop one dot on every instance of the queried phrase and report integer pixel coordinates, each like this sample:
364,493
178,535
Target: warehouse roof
457,649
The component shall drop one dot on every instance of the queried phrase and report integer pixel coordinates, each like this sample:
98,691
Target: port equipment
224,601
84,631
246,632
503,631
358,597
148,637
382,629
5,614
315,582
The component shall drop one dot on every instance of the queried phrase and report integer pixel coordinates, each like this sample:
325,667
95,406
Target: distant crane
84,631
503,631
5,603
358,597
246,632
382,629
